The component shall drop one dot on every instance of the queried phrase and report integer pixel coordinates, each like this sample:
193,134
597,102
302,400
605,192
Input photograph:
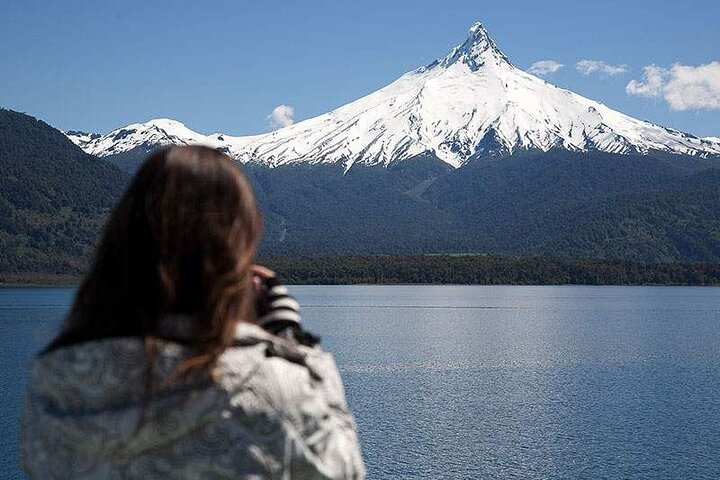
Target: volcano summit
471,104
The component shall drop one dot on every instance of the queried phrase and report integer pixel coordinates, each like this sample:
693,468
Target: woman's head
181,241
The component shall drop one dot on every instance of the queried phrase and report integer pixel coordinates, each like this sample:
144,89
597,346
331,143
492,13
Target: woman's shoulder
279,361
288,375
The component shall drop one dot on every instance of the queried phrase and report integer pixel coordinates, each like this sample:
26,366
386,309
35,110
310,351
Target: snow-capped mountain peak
476,50
470,104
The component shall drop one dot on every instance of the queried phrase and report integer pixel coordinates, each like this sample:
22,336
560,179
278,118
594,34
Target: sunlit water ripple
490,382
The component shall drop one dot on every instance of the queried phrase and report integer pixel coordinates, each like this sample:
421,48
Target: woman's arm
328,445
321,434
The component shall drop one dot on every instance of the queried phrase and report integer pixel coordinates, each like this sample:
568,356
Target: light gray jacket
274,410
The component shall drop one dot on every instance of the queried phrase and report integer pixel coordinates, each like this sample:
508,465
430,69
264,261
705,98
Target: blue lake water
488,382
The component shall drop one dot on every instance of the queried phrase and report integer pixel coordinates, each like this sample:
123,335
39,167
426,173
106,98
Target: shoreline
49,284
447,269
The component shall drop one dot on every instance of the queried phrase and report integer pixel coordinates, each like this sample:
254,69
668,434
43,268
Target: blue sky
224,66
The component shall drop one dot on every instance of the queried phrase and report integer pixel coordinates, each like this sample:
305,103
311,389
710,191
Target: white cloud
694,88
281,116
683,87
544,67
651,85
587,67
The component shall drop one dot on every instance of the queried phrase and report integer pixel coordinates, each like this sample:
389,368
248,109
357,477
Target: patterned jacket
273,410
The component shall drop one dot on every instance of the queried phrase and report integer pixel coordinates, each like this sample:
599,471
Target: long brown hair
181,241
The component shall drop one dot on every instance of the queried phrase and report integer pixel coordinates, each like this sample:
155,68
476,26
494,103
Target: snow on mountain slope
150,135
470,104
81,139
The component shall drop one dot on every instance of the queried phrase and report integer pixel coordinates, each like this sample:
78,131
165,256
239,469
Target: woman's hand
262,272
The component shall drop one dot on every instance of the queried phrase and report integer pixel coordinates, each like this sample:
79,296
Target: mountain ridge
471,104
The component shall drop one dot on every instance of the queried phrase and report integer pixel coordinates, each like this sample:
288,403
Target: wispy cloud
545,67
281,116
588,67
651,85
683,87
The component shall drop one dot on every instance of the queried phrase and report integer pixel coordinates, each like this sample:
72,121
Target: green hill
53,198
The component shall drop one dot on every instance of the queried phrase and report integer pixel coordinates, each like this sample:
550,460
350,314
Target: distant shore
458,269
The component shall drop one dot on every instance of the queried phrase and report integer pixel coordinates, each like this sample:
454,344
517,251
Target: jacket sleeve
322,440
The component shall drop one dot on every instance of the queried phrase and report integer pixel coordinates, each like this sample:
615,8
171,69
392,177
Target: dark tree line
487,270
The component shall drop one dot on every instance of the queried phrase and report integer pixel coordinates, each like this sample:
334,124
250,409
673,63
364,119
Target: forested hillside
654,208
53,198
649,208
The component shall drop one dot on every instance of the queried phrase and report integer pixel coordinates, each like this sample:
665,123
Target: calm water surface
488,382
